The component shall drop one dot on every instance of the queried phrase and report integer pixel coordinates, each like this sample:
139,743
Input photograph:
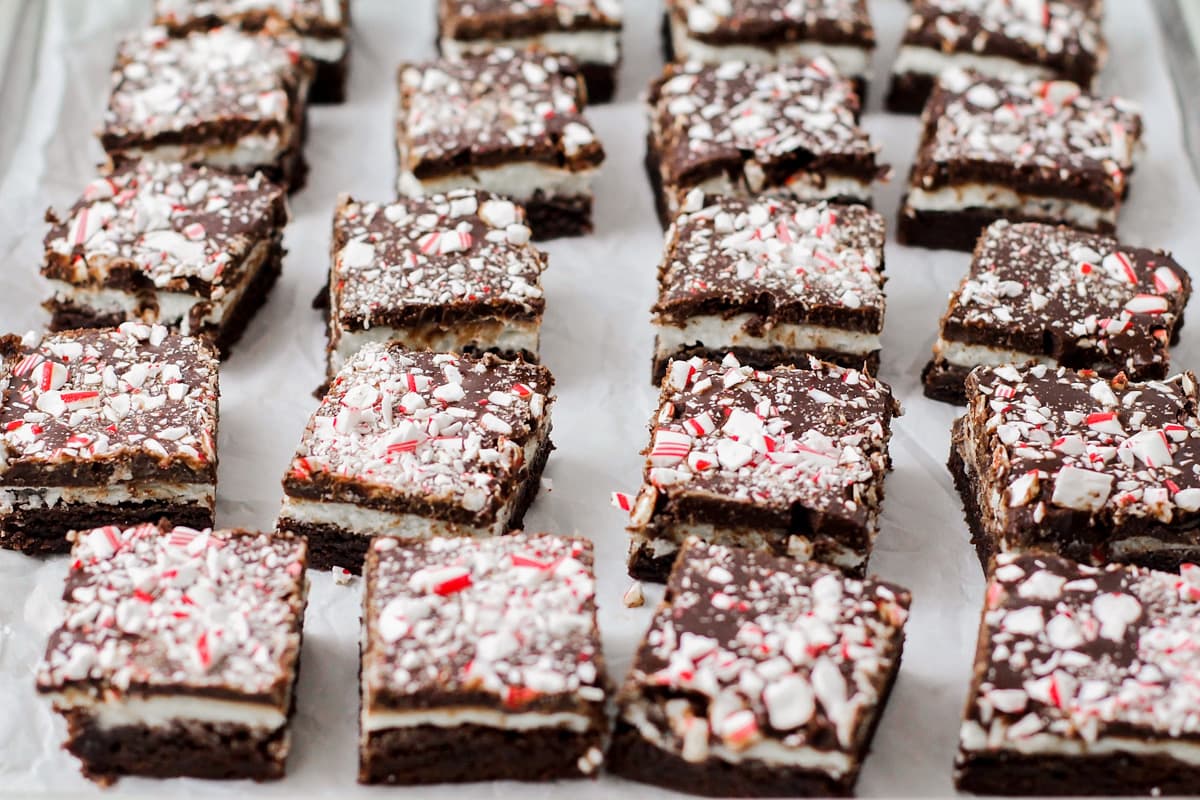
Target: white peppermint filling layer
927,61
717,332
974,738
668,540
961,354
851,61
327,50
803,186
1004,199
586,47
518,181
26,498
506,335
374,721
165,710
248,152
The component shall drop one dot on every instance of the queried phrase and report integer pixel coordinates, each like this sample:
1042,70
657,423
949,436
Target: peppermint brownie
452,272
1059,296
1017,41
193,248
1093,469
219,97
415,444
588,31
322,26
789,461
772,32
759,677
1084,682
104,427
749,129
178,652
481,661
770,281
504,122
1040,152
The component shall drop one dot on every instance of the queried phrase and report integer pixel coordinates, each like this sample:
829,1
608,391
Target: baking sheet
597,340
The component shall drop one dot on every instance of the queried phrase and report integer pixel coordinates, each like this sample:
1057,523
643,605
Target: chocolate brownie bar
1093,469
1016,41
772,32
789,461
589,31
322,26
1040,152
221,97
771,281
178,653
759,677
452,273
505,122
416,444
749,129
1084,682
193,248
481,661
1059,296
104,427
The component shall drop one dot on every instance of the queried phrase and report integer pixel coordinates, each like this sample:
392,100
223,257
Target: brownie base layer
644,565
554,217
945,382
960,230
329,84
600,80
332,546
43,531
759,358
426,754
215,751
1119,774
908,92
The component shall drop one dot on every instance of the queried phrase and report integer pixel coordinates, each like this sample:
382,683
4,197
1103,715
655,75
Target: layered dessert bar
1084,682
194,249
451,273
1016,41
1090,468
789,462
749,129
770,281
417,444
322,26
504,122
481,661
772,32
588,31
1039,152
101,427
1055,295
759,677
178,652
219,97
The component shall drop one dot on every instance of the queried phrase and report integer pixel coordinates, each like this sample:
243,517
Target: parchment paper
597,339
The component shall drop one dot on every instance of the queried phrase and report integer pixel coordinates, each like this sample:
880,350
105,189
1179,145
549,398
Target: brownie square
505,122
416,444
1084,682
750,129
1039,152
322,26
451,273
772,32
219,97
481,661
759,677
771,281
104,427
1016,41
1090,468
1059,296
192,248
179,652
789,461
589,31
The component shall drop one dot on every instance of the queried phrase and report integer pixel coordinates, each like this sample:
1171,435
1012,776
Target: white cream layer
716,332
327,50
250,151
162,711
22,498
927,61
974,738
853,62
586,47
801,186
507,335
961,354
1004,199
373,721
668,541
519,181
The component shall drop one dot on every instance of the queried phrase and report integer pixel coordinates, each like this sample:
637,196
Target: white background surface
597,340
